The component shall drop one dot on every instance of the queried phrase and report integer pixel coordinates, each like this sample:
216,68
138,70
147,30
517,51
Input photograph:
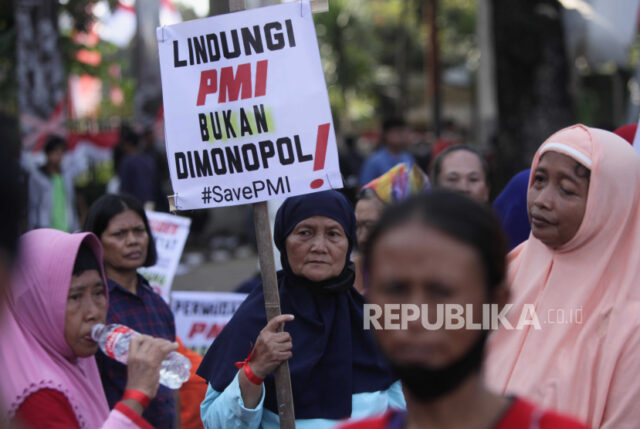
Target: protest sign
247,114
170,234
200,316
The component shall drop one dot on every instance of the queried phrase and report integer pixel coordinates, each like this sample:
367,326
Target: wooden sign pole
272,307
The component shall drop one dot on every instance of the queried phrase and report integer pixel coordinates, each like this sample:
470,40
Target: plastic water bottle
114,340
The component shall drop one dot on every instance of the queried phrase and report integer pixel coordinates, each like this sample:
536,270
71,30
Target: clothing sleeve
124,417
226,410
47,409
73,164
396,396
50,409
622,411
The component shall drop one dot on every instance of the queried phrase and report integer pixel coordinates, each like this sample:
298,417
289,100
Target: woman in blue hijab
511,207
336,369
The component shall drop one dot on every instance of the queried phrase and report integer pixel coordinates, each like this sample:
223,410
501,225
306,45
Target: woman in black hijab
336,369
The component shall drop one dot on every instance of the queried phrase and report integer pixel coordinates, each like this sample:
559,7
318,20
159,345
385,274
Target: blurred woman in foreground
433,253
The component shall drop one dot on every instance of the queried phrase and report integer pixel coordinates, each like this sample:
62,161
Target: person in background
137,170
51,191
434,250
350,161
395,135
162,183
51,379
450,135
119,221
511,207
336,369
369,208
580,268
396,185
462,169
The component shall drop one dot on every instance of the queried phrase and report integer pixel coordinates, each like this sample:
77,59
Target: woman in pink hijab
580,270
50,378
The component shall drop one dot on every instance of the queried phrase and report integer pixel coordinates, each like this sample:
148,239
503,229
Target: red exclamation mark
321,152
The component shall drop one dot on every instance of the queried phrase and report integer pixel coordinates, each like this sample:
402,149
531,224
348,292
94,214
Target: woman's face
415,264
125,241
462,171
317,248
86,306
557,199
368,211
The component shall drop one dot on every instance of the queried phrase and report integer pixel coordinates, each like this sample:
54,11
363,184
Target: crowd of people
364,292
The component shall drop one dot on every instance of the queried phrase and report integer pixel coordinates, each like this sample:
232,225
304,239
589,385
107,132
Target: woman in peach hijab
580,268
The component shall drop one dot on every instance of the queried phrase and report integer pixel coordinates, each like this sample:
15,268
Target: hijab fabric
333,357
399,183
32,344
511,207
589,368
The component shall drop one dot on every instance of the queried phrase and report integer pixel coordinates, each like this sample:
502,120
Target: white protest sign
170,234
200,316
247,115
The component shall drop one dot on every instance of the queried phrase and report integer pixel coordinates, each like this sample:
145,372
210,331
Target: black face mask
427,384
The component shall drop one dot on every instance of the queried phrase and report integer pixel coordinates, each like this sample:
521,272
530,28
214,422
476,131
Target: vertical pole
486,99
270,290
148,96
433,61
272,307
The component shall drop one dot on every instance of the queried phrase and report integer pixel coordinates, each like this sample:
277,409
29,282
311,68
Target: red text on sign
232,86
203,328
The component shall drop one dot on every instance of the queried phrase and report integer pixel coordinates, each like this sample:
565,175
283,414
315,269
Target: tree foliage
76,16
373,54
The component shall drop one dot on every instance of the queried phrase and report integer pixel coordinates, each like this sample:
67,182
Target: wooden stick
272,307
270,288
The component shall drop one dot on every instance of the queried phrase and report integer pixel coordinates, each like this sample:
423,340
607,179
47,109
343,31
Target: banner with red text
170,233
200,316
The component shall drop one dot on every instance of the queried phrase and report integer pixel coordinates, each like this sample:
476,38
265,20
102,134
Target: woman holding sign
336,369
